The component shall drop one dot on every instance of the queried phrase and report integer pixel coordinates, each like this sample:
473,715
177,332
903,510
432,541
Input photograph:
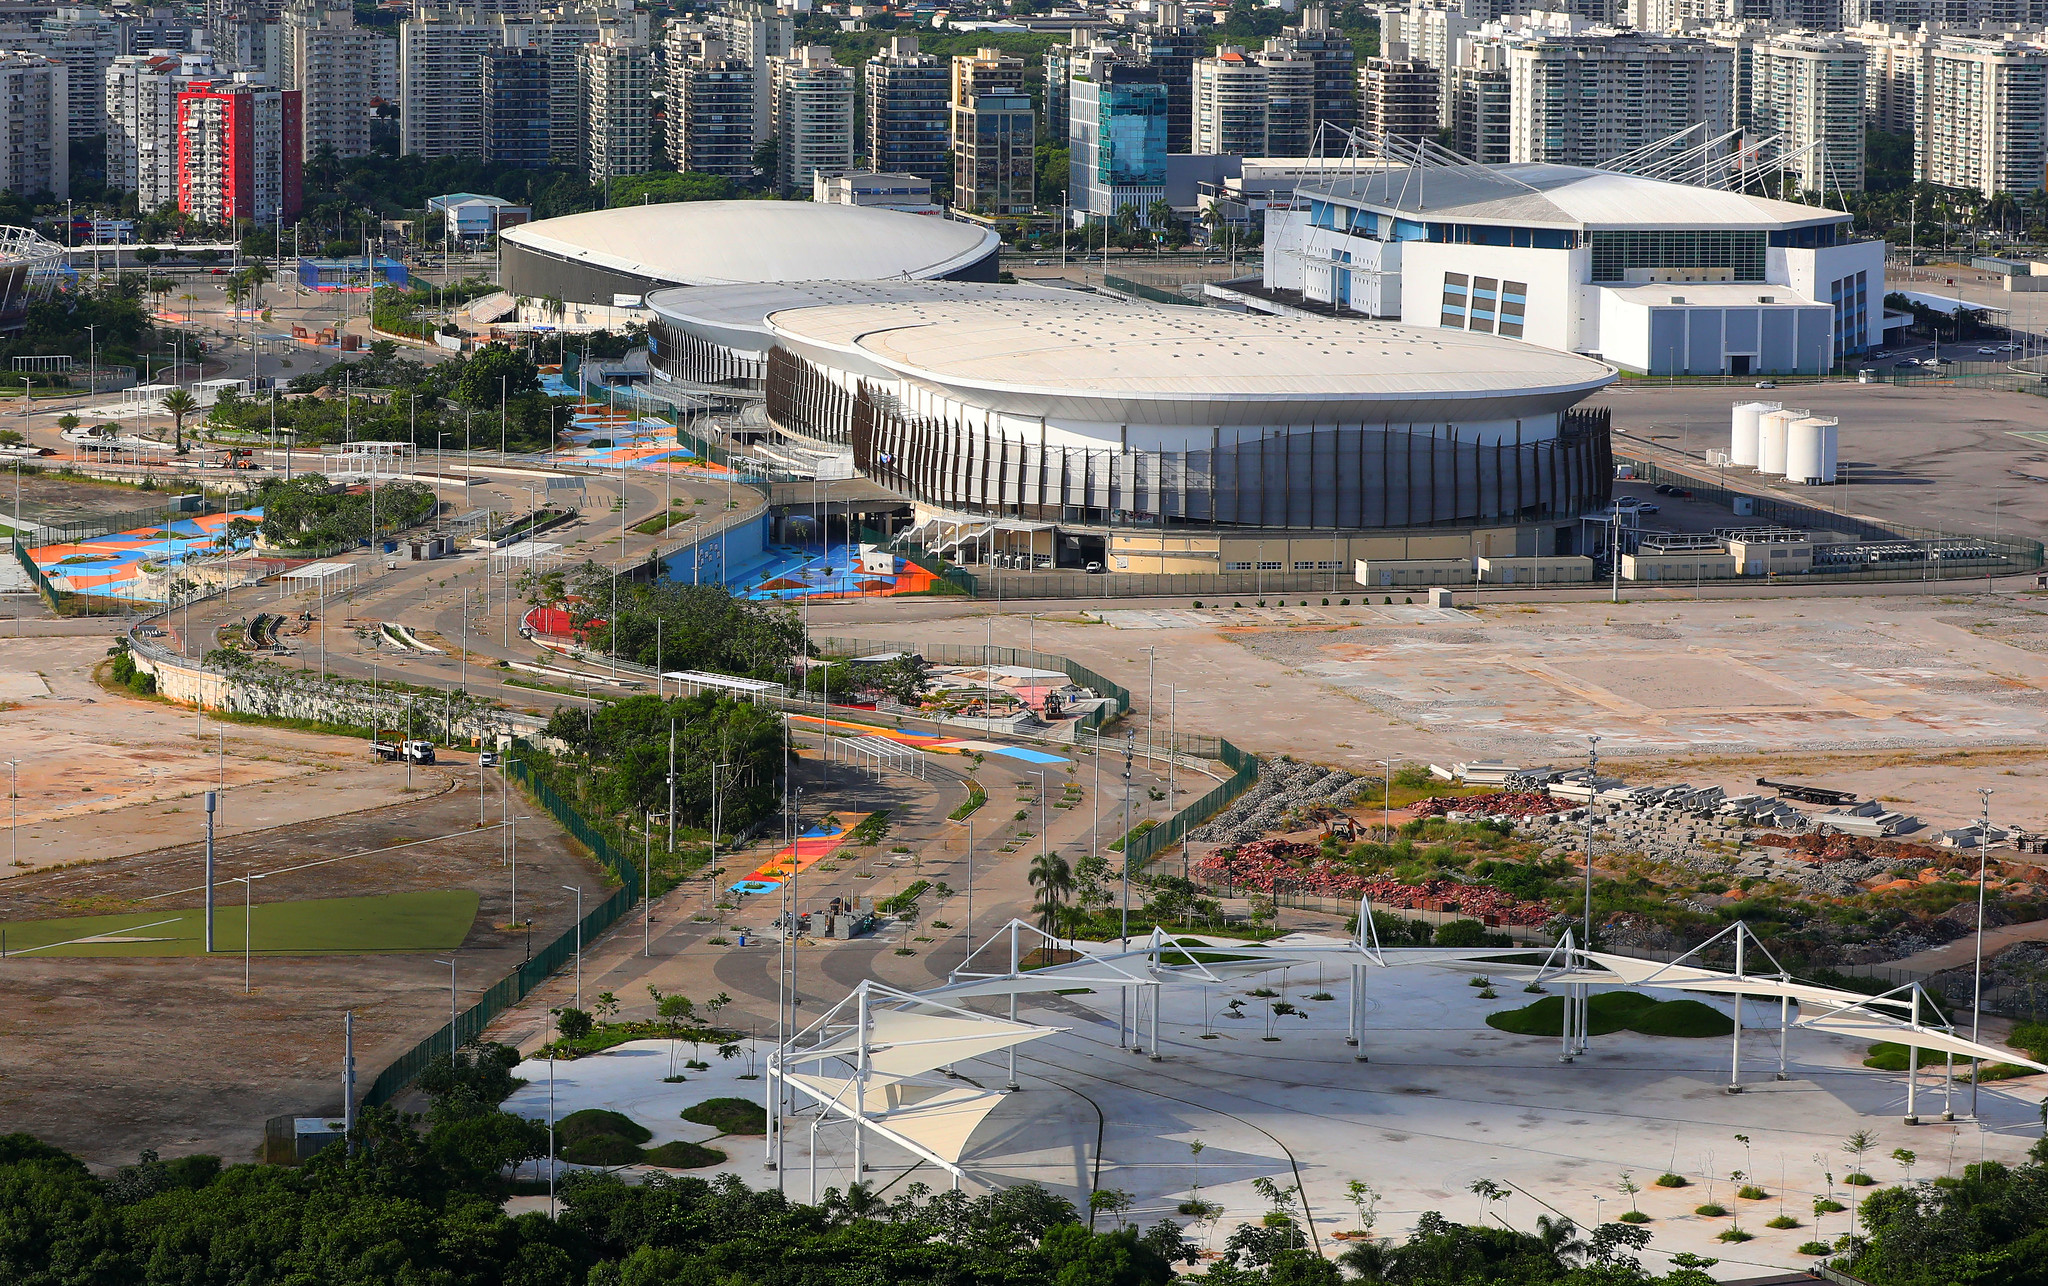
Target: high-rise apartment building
1261,104
141,110
1895,66
1336,63
332,64
1807,91
87,42
909,111
1230,104
1585,98
1430,29
813,104
1478,102
995,153
1116,141
239,153
754,33
518,129
35,126
1172,45
1983,116
710,108
618,107
1397,98
993,134
1948,13
441,57
1059,75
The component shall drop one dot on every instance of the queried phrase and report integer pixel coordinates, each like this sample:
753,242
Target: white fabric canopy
1874,1027
934,1120
905,1043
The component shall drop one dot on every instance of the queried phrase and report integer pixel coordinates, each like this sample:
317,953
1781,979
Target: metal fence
972,654
2005,553
1241,589
1244,770
515,986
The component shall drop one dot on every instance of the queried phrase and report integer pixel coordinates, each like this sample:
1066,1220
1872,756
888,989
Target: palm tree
1054,880
178,404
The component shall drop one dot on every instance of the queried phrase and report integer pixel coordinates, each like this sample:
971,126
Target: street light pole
454,1040
248,894
579,942
1977,977
14,815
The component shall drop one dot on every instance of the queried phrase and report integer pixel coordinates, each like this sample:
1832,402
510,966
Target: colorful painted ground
834,571
930,742
811,847
425,920
637,442
112,565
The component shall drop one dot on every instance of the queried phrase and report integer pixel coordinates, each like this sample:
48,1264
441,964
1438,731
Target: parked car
1094,568
1987,351
1679,493
1767,383
1662,488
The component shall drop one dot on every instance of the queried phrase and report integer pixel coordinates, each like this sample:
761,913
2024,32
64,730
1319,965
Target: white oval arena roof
1176,354
712,243
737,316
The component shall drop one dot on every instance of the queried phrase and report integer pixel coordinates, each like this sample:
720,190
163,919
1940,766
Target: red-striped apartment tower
238,152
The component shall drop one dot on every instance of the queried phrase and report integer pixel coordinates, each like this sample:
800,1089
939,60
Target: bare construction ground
105,1057
1916,699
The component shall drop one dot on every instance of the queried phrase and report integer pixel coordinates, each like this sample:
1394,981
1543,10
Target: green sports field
429,920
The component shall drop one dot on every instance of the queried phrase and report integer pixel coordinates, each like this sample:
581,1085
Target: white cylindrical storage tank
1742,440
1771,434
1809,450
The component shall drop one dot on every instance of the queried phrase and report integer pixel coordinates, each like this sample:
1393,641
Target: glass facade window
1741,253
1456,286
1133,136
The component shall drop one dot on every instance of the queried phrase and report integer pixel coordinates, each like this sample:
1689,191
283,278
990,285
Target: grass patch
1888,1057
1735,1234
903,901
1117,845
976,797
660,523
682,1156
1828,1206
424,920
1750,1192
1818,1249
1615,1011
595,1122
1859,1180
1671,1181
729,1115
1782,1221
1710,1210
1634,1216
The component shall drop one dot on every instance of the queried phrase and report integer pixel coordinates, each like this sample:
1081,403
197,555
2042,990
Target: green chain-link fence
515,986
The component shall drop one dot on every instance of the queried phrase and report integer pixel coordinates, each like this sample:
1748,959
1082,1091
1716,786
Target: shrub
1750,1192
1828,1206
1735,1234
729,1115
1198,602
683,1156
1859,1180
1488,993
573,1023
1634,1216
1343,602
1710,1210
1782,1221
1671,1181
142,683
1815,1248
592,1122
601,1149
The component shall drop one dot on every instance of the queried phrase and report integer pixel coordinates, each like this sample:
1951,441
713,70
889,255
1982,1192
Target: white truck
418,752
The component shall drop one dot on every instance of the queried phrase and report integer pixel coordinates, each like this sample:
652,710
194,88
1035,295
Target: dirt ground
107,1057
49,499
101,773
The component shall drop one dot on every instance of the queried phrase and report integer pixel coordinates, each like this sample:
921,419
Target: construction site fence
521,982
1140,849
2005,553
73,530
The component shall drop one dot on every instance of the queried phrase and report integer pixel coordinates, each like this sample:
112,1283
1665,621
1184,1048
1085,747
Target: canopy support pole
1735,1054
1913,1068
1784,1033
1357,1011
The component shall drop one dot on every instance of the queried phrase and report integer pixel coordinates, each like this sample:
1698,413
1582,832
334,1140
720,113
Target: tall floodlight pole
454,1041
579,942
1977,978
210,804
1124,993
14,812
1586,944
348,1079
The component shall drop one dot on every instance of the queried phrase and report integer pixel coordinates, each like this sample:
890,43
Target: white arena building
1655,277
1169,439
602,257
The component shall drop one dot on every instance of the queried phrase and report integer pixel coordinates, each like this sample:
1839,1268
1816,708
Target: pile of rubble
1501,803
1284,786
1265,865
1837,847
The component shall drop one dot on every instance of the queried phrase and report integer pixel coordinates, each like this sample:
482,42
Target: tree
1050,875
178,404
495,372
1488,1192
1905,1157
573,1023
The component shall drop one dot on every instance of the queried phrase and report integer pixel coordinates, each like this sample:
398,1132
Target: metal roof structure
1104,361
716,243
1568,196
737,316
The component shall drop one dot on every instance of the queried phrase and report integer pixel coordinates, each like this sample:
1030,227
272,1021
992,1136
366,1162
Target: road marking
2031,435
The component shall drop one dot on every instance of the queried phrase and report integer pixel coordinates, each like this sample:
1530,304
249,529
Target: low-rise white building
1652,276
